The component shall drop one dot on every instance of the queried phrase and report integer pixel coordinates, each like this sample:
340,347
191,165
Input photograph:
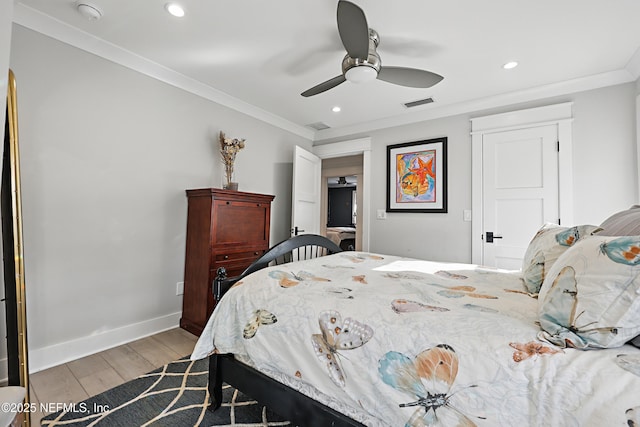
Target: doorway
348,158
342,211
337,200
521,178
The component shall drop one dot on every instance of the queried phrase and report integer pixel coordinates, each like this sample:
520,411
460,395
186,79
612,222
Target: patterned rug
174,396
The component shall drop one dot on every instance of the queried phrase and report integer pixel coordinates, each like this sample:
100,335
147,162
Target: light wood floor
77,380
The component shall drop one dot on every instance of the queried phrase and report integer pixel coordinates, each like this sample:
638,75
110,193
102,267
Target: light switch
466,215
381,214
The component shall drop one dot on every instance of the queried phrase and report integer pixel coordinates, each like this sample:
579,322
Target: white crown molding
633,66
56,29
436,112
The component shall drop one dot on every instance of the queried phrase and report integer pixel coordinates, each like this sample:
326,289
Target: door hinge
559,221
558,145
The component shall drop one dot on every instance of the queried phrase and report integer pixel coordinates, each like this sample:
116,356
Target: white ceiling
258,56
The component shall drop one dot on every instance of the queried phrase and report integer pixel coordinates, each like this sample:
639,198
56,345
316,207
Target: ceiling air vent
418,102
318,126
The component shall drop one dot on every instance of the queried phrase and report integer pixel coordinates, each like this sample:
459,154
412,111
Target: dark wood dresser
227,229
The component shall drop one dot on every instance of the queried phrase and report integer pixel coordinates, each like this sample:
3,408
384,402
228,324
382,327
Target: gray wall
107,154
438,237
604,159
604,162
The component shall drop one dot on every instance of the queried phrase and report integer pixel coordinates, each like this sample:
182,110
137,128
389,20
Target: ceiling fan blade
353,29
329,84
410,77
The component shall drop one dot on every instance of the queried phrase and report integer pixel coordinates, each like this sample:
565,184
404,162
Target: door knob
491,236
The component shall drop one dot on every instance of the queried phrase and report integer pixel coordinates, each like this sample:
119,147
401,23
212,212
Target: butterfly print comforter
393,341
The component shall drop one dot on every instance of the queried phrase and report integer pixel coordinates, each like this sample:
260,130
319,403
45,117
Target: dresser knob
228,203
226,257
258,204
256,253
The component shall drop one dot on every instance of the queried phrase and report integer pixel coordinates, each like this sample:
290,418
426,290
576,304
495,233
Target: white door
305,200
520,191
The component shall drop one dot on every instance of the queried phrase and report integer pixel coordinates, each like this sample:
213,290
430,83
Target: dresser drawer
234,256
236,263
240,222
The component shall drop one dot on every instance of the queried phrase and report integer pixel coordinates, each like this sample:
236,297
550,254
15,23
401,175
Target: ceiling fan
362,62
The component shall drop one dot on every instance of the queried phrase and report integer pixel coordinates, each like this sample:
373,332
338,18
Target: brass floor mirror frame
15,299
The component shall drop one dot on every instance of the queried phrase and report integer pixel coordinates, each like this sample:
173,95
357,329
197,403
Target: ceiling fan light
361,74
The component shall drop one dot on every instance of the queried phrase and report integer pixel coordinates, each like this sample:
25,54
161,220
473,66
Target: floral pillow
591,296
546,246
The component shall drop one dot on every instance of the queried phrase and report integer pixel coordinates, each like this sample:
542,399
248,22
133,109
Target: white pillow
591,296
546,246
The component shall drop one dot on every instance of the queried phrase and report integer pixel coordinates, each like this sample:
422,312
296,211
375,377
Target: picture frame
417,176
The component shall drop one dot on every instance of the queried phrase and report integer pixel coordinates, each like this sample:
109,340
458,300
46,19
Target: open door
305,200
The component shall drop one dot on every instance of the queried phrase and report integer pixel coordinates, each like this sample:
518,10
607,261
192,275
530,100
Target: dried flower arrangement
228,150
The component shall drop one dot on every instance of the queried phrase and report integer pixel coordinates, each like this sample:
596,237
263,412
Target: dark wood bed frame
298,408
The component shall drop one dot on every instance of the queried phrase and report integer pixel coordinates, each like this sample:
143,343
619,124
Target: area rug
175,395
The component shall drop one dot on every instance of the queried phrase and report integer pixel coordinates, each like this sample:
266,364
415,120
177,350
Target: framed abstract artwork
417,176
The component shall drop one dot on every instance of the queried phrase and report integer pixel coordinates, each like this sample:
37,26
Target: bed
354,338
344,237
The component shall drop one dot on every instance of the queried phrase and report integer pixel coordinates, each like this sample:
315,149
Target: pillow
624,223
591,296
545,248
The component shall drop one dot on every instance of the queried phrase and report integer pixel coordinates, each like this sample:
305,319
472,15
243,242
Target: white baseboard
57,354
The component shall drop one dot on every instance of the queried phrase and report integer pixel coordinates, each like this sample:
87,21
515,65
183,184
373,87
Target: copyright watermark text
51,407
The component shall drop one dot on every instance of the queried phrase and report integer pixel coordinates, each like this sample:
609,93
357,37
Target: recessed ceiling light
336,109
89,11
509,65
174,9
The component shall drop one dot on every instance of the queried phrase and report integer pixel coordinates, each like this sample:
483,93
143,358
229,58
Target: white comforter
392,341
